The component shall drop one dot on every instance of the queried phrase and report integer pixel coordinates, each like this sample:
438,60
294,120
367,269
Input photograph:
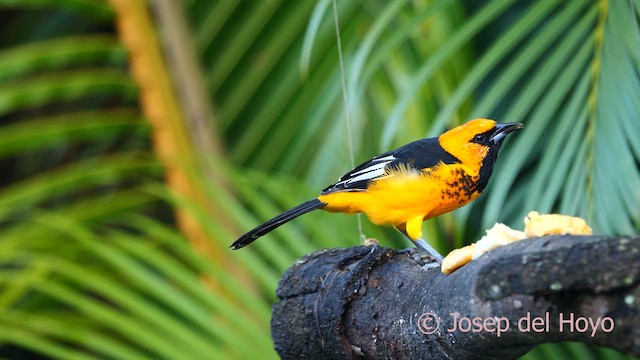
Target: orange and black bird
411,184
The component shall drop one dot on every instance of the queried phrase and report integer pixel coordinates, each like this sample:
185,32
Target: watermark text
430,323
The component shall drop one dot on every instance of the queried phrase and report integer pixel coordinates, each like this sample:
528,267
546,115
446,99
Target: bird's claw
422,258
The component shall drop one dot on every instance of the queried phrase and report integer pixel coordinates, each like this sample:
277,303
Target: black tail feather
272,224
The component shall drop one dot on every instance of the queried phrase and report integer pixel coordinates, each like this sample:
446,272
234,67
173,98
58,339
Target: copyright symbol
428,323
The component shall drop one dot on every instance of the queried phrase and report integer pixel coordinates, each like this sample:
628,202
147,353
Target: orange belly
403,195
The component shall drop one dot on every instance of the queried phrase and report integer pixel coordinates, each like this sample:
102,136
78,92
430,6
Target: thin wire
345,98
347,108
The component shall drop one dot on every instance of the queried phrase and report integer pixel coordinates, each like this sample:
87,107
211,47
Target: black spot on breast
469,184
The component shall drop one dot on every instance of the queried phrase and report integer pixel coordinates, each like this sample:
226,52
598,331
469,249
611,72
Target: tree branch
370,302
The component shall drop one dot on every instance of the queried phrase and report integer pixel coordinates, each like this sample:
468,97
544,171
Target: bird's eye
478,138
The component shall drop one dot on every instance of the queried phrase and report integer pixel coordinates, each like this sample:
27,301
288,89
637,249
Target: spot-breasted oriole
413,183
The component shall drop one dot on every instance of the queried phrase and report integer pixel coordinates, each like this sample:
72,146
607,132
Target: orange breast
404,194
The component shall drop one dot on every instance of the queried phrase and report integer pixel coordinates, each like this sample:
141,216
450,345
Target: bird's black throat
487,167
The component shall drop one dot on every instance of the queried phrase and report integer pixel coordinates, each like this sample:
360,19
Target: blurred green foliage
92,264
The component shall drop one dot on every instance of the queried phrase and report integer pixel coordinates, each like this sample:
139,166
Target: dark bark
367,302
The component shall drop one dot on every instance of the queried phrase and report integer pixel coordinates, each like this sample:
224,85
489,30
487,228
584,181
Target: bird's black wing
419,154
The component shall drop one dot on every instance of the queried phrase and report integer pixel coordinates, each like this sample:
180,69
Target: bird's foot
422,258
426,248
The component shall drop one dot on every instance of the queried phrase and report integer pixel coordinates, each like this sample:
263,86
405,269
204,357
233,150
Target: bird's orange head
476,144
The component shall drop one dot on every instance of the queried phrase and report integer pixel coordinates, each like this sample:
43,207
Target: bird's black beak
501,130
